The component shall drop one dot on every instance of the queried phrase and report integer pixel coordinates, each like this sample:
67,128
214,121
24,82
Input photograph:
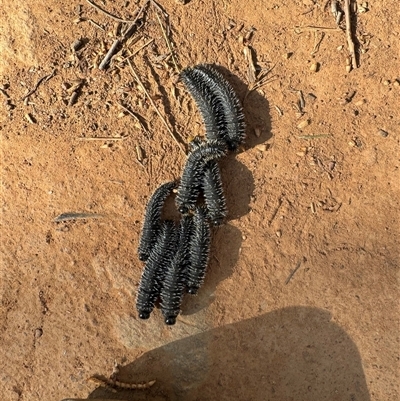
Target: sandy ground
323,198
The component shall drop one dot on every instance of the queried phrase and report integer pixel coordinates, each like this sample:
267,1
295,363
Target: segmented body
235,127
154,270
199,250
210,106
175,276
152,219
113,385
193,172
212,189
214,193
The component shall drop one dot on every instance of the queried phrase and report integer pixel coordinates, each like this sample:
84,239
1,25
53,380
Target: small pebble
386,82
314,67
383,133
303,124
396,83
301,154
38,333
279,233
261,148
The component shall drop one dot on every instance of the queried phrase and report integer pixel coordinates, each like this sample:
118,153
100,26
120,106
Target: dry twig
43,79
350,42
118,42
155,107
294,271
107,13
167,41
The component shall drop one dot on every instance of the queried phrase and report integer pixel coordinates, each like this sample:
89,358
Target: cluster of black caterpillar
177,257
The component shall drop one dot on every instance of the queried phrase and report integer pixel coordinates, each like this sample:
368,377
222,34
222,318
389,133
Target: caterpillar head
217,221
192,290
144,315
183,209
170,320
143,256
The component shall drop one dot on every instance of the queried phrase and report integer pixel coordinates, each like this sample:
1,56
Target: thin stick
313,136
317,43
94,23
137,51
110,53
167,40
155,107
350,42
76,216
117,42
103,138
133,23
293,272
298,29
107,13
135,117
43,79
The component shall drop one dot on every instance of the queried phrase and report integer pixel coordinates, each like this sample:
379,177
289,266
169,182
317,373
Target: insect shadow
290,353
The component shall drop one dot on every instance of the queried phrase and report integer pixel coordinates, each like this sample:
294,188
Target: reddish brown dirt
329,204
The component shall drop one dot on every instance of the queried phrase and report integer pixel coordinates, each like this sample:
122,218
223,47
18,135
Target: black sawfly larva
154,270
199,250
231,108
214,193
192,176
175,276
211,109
152,219
212,189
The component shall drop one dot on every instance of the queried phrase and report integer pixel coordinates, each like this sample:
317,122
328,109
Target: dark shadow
238,184
294,353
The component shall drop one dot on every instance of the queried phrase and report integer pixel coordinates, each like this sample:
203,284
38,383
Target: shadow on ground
295,353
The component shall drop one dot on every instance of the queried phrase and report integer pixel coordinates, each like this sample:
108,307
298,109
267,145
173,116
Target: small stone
38,333
303,124
386,82
396,83
360,102
314,67
261,148
279,233
300,154
383,133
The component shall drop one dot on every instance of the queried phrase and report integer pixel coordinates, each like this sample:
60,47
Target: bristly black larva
175,276
199,250
231,108
211,108
212,189
154,270
214,193
152,219
193,172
